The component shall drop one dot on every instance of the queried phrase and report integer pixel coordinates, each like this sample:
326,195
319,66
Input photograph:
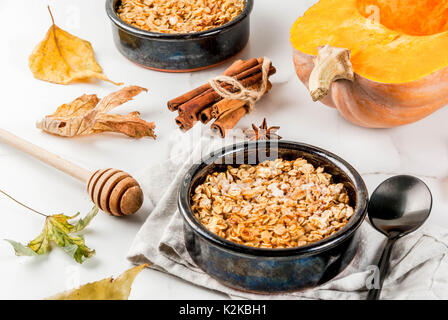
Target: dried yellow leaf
63,58
106,289
88,115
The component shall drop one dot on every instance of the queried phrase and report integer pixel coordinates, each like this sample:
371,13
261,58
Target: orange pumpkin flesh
412,17
398,53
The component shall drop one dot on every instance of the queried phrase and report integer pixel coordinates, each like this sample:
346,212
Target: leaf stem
51,15
23,205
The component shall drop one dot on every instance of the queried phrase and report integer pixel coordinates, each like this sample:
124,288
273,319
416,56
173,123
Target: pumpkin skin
384,91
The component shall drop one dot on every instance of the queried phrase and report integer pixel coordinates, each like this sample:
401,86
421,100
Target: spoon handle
45,156
383,265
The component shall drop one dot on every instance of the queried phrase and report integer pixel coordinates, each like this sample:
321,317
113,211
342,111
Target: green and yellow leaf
59,230
21,250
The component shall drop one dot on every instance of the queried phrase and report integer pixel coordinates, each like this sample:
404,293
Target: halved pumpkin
381,63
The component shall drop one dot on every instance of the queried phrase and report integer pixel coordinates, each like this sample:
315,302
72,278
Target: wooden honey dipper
113,191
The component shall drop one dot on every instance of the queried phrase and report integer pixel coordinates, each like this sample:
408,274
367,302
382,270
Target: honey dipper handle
45,156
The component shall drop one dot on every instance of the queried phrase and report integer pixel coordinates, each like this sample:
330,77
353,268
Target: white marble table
419,149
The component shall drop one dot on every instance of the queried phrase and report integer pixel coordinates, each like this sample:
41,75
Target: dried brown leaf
88,115
131,125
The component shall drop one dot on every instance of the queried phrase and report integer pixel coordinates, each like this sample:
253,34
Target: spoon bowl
398,206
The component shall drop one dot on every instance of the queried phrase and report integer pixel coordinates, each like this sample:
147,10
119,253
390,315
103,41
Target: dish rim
111,12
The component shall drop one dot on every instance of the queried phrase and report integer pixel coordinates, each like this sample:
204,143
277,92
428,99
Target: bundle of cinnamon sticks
204,103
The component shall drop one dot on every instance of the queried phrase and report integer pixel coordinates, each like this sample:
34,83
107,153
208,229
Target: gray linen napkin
419,263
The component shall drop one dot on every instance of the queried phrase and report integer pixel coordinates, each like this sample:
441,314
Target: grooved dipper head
115,192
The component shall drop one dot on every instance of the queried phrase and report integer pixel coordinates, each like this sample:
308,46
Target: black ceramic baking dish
272,270
180,52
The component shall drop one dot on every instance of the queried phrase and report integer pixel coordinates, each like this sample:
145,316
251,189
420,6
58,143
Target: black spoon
398,206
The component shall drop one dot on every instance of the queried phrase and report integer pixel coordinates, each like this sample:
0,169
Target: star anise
262,132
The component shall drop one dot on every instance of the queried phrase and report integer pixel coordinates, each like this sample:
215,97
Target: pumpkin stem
331,64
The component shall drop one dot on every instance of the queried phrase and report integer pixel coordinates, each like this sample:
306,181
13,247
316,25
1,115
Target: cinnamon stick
220,110
239,66
236,68
228,112
183,123
193,107
257,68
206,115
228,120
225,104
